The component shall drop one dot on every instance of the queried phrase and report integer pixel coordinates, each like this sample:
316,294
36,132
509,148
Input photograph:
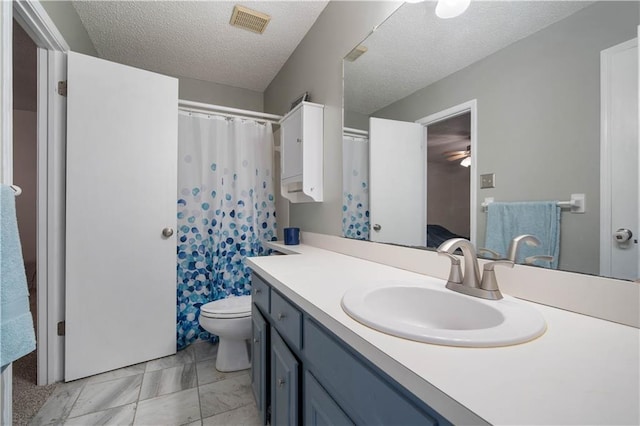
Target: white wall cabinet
301,146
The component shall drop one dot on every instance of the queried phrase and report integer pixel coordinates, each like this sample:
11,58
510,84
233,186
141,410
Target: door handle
167,232
377,227
622,235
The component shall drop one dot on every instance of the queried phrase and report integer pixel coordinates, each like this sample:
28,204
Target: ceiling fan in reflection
465,156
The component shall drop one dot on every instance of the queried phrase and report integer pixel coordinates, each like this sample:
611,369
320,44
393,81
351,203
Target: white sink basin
434,314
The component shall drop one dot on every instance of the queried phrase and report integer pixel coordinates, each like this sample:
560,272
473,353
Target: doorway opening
452,148
27,396
448,179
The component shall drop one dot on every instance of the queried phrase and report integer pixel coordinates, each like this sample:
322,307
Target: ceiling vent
356,53
248,19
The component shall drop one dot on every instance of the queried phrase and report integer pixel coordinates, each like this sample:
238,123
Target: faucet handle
532,259
489,281
490,265
493,254
455,274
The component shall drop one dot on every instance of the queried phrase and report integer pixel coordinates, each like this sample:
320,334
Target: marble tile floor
182,389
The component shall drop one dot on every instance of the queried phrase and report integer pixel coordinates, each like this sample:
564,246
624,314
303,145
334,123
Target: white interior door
397,182
620,256
120,303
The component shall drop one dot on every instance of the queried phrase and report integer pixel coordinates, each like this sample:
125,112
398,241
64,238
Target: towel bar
16,189
576,204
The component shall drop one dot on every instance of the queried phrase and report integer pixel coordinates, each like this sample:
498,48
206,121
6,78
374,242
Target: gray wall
25,66
355,120
316,66
25,174
539,118
65,17
219,94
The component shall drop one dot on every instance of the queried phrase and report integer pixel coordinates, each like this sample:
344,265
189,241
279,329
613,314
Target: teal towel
17,337
540,218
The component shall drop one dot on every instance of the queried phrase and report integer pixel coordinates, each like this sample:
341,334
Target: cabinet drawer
260,293
287,320
362,392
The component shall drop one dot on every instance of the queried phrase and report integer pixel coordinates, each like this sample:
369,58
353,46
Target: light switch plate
487,180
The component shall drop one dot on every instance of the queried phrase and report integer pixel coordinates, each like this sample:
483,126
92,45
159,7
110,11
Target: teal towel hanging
17,336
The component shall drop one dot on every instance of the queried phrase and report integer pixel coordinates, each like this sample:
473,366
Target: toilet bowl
230,320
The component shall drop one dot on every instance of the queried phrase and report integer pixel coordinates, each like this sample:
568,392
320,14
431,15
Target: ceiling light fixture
446,9
466,162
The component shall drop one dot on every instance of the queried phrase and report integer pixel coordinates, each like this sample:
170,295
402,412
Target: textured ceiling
195,40
414,48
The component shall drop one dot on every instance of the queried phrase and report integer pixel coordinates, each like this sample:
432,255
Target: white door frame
50,187
472,108
605,157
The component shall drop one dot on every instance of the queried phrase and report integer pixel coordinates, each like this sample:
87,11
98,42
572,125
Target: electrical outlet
487,180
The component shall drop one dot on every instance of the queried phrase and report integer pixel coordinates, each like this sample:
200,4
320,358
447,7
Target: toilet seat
231,307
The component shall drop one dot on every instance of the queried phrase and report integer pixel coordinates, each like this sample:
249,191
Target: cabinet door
259,366
291,149
284,383
319,407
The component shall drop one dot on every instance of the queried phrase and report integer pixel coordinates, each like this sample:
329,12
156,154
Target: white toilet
230,320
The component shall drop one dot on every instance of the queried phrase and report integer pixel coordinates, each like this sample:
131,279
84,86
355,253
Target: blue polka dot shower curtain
355,187
226,211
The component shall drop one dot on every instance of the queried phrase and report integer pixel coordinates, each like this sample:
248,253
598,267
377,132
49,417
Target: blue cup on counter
291,236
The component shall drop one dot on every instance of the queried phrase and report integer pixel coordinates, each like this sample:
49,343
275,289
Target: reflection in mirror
554,84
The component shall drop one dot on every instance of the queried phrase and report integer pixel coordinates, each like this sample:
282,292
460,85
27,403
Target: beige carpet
28,397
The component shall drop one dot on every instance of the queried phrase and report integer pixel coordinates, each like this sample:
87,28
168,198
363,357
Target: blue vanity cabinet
363,391
312,377
319,408
260,362
275,367
285,372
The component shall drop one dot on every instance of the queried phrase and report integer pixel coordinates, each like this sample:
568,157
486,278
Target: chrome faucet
470,283
471,277
514,246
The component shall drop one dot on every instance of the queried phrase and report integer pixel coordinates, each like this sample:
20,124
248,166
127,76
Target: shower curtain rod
354,132
227,111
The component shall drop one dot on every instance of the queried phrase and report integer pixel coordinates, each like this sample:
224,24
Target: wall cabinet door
319,407
259,363
291,149
284,383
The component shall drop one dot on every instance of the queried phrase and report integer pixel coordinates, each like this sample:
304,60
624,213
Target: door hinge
62,88
61,328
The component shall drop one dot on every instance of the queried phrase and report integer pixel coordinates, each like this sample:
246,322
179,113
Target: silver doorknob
167,232
622,235
377,227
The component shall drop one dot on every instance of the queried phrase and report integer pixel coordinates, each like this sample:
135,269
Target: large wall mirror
502,111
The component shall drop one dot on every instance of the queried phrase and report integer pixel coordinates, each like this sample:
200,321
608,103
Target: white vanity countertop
581,371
